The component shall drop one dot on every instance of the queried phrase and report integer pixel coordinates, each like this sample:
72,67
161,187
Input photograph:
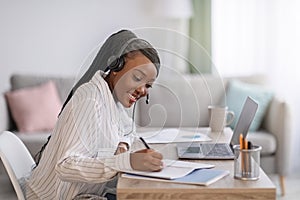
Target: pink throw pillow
35,108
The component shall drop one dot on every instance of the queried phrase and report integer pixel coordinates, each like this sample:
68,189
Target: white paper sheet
173,135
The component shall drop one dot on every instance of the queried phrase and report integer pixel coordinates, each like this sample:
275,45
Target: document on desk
172,135
181,172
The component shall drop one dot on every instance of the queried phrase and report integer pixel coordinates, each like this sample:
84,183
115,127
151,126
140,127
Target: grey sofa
180,101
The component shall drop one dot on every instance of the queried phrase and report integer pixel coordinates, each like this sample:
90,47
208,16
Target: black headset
116,63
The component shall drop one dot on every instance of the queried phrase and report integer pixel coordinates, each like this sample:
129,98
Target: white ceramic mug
220,117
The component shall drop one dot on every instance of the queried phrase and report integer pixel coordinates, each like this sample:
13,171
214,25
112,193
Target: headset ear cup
120,64
116,64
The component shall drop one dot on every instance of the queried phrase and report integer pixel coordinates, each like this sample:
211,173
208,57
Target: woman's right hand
146,160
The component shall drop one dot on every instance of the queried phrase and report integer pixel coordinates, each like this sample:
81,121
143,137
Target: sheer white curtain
239,36
261,36
285,70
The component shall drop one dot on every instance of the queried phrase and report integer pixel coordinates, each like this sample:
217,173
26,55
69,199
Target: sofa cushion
18,81
35,108
180,101
264,139
63,84
236,95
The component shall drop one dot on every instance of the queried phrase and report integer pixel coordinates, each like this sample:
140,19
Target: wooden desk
226,188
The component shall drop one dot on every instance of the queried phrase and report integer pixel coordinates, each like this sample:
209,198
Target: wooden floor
292,188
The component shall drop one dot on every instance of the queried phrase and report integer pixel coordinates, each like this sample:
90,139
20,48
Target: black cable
132,124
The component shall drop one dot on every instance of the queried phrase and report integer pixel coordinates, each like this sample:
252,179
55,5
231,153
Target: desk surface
226,188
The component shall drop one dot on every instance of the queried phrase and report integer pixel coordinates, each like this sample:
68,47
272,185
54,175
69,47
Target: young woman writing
91,141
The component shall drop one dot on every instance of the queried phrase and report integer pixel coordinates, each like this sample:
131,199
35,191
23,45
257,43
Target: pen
245,144
246,157
249,145
242,143
249,158
145,143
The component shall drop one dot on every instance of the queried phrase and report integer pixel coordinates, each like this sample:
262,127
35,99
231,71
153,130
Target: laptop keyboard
217,150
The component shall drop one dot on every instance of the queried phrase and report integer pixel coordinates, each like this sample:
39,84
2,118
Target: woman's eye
136,78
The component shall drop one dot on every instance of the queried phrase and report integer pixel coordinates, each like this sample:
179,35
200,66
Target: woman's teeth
132,98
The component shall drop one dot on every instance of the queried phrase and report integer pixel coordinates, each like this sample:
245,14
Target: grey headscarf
118,44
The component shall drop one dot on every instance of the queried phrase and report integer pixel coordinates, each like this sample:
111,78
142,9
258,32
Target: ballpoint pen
241,154
250,157
145,143
246,158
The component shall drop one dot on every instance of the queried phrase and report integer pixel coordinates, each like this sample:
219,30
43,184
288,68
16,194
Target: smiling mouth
132,98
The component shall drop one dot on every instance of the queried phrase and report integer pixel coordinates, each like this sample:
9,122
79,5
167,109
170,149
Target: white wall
56,36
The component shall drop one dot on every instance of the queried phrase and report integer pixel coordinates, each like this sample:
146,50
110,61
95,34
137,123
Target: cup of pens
247,162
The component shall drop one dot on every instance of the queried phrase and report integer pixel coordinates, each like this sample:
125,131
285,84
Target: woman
90,142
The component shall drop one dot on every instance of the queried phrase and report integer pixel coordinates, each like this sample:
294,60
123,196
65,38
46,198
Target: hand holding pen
146,159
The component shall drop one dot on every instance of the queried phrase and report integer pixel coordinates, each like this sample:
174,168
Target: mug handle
231,117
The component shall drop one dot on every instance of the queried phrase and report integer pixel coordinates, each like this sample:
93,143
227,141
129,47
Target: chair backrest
16,159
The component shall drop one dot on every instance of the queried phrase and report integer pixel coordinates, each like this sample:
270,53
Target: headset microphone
147,99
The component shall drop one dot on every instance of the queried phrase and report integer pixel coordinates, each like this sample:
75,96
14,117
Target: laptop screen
245,119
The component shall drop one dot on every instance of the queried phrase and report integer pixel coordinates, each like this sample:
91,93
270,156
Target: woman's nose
142,90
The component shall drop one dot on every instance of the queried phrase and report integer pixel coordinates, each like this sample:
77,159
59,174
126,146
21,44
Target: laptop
221,151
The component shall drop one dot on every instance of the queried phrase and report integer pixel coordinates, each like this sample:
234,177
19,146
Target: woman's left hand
122,147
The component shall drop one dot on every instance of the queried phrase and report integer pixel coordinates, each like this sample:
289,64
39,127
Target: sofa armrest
4,115
278,122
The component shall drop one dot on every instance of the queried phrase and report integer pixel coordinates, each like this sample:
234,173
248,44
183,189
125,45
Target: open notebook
181,172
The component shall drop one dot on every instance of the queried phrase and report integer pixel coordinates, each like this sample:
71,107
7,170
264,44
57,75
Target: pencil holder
247,162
